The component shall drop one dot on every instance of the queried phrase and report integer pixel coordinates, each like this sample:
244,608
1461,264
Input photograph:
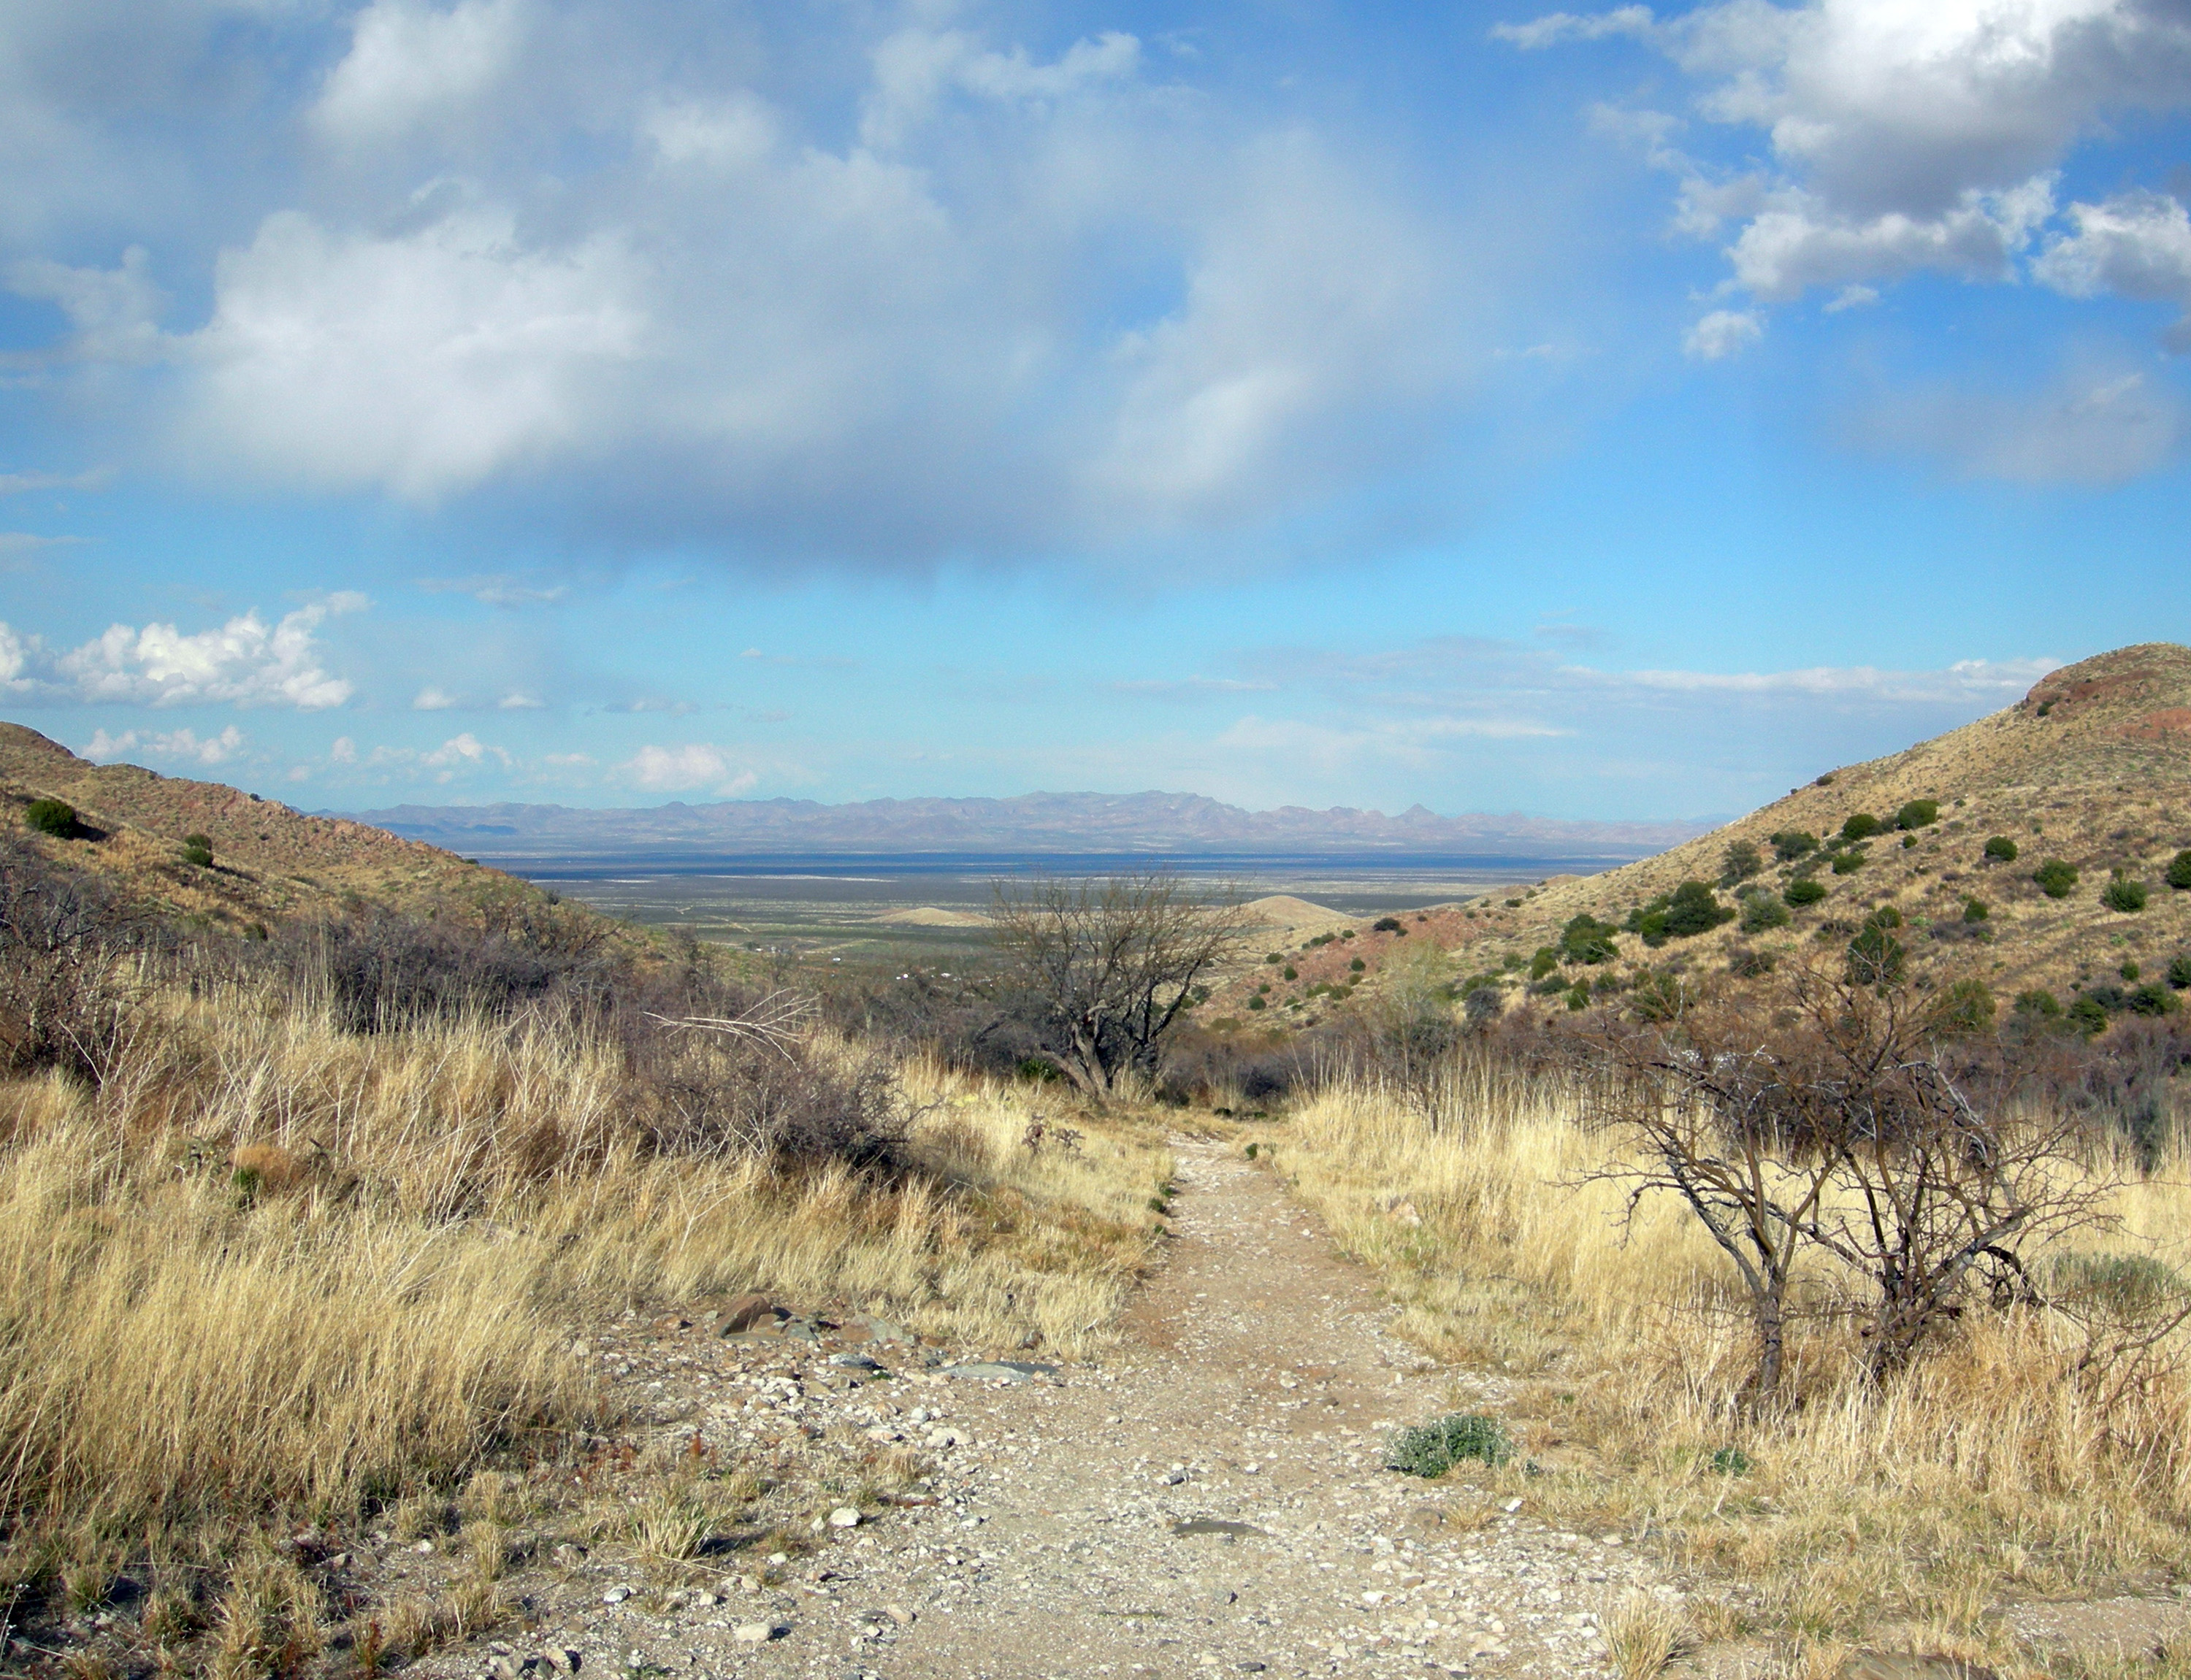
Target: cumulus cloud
1910,137
916,69
244,662
183,745
2135,244
679,769
114,313
411,65
1723,333
497,589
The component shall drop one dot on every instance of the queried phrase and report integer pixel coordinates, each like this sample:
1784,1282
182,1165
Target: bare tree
1106,967
1831,1125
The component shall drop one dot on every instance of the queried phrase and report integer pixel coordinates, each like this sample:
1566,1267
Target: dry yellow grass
1985,1472
268,1271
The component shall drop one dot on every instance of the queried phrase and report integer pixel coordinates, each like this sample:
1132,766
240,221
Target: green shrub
56,817
1387,924
2179,973
1875,957
2039,1003
1694,910
1588,940
1762,912
1975,909
1729,1462
1292,973
1578,995
1967,1006
2179,871
1790,843
1274,957
1542,962
1848,862
1740,862
2127,1285
1861,827
2151,998
1355,965
2129,970
1256,1002
197,848
2001,849
2124,894
1432,1449
1918,814
1745,964
1803,890
1658,996
2055,878
2089,1016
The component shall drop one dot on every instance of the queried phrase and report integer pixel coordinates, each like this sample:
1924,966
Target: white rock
758,1633
844,1517
616,1595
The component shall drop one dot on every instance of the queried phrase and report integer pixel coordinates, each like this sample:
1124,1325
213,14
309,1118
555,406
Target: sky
1619,414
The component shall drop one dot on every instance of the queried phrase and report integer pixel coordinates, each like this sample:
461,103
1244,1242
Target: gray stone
853,1362
1212,1525
1001,1370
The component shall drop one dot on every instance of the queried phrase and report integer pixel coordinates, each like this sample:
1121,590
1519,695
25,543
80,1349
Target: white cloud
115,313
183,745
676,770
19,483
431,699
410,65
915,68
497,589
518,700
1723,333
2136,244
30,542
244,662
462,749
1559,26
1909,136
425,361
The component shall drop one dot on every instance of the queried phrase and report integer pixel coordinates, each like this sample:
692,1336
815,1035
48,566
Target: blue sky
1600,414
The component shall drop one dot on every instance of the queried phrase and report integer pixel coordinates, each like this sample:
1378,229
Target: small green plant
197,850
1875,957
1790,843
56,817
2123,895
1292,973
1740,862
1730,1462
1762,912
2089,1016
1588,940
1861,827
2128,1285
1035,1069
1355,965
2151,998
1965,1007
1803,890
1256,1002
2000,849
2039,1003
1274,957
1430,1450
2129,970
2179,973
1578,995
2055,878
1252,1150
1387,924
1918,814
1975,909
1694,910
1848,862
2179,871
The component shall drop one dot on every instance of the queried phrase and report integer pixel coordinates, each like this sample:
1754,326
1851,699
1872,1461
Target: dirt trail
1256,1386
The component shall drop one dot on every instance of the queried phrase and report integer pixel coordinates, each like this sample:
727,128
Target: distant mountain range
1159,824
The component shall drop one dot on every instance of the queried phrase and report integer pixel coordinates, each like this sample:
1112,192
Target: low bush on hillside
1430,1450
2038,1003
1918,814
1740,862
2124,894
54,817
1587,940
1850,861
2057,878
1791,844
2000,849
1762,912
1804,890
1861,827
2179,871
2179,973
1693,909
197,850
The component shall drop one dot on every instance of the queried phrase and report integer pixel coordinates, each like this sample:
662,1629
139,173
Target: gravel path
1079,1527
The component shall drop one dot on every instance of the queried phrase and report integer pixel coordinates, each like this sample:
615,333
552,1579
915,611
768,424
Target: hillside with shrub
2038,859
203,856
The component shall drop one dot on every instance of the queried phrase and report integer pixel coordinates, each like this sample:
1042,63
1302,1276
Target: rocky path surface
1211,1498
